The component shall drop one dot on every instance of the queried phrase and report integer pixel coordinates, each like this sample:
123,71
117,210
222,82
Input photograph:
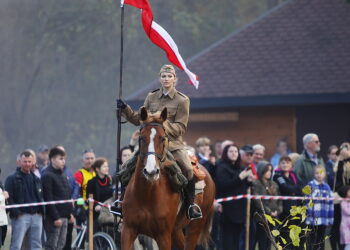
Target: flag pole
120,94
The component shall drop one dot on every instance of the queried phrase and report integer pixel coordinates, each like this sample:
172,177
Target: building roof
297,53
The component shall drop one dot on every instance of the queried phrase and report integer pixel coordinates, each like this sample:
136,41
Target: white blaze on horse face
151,159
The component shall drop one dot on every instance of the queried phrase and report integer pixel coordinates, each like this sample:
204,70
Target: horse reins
160,157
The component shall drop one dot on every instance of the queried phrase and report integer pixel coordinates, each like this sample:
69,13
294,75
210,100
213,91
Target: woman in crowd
232,180
345,221
265,186
342,183
100,186
125,154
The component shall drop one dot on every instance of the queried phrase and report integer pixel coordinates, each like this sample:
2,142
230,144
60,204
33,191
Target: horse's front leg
178,238
164,241
128,237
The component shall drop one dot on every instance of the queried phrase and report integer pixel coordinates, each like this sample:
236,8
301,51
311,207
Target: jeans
33,223
56,236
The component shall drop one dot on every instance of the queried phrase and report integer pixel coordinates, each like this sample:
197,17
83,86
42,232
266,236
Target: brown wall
264,125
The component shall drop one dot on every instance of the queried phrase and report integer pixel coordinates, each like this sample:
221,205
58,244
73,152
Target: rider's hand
121,104
57,223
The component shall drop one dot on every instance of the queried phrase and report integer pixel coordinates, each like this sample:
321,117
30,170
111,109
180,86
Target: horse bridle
160,157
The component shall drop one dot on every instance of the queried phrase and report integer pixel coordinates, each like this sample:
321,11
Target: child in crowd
320,213
345,220
265,186
287,183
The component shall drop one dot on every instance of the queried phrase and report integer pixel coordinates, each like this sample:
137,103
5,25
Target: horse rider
178,106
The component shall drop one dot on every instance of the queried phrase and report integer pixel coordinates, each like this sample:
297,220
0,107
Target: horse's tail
204,238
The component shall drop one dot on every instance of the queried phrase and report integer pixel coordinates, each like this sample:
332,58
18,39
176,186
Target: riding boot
193,211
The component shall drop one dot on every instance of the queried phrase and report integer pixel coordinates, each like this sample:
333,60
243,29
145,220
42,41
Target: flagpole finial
121,3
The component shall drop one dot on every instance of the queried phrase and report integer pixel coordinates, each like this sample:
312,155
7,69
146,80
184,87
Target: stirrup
198,210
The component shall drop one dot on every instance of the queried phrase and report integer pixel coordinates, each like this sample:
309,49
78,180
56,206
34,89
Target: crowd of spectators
236,169
239,169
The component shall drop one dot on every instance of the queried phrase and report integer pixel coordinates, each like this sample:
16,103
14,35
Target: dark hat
43,148
248,148
56,151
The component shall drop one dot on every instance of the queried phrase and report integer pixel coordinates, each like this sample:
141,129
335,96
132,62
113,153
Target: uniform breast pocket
171,112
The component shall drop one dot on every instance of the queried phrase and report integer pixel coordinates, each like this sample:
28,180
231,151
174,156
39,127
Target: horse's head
152,142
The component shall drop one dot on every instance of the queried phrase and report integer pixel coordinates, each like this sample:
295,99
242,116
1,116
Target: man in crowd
82,177
24,187
203,154
217,149
225,143
86,173
309,158
42,156
281,150
246,153
258,154
56,187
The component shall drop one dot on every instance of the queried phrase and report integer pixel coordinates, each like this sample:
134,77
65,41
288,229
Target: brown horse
150,205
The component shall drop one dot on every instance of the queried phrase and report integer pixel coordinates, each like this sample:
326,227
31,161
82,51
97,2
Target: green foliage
307,190
292,231
294,234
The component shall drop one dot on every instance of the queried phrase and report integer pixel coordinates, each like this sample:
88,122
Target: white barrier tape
230,198
38,203
51,203
277,197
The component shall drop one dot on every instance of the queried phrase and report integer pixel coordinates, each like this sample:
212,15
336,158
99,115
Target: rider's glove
121,104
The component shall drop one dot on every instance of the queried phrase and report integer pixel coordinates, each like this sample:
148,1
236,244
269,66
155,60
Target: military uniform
178,106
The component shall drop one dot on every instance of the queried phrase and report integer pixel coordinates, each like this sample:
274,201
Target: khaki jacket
304,167
178,106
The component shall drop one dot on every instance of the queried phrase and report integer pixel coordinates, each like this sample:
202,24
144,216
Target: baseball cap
43,148
248,148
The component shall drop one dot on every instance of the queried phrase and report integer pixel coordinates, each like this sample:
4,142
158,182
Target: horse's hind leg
128,238
179,239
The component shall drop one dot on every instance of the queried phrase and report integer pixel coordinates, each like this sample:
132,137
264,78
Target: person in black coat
56,187
231,179
100,187
288,184
342,183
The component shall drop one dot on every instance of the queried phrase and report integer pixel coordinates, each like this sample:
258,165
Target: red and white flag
159,36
